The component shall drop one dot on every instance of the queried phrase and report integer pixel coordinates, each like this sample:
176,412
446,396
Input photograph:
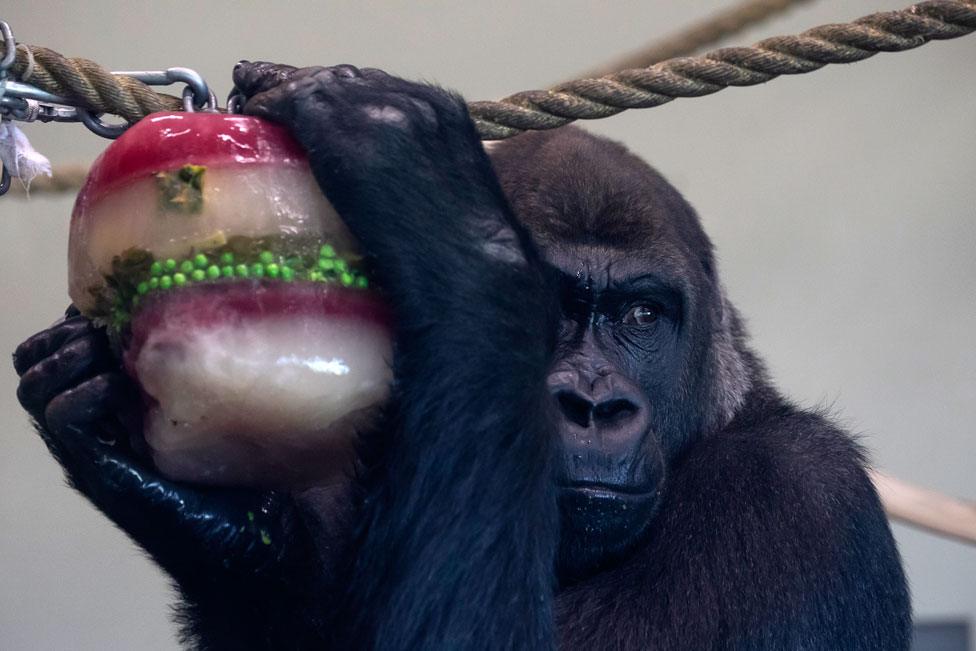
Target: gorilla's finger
308,94
71,311
75,361
44,343
79,411
346,71
251,78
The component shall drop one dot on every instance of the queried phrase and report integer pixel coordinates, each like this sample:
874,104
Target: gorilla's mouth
603,490
601,521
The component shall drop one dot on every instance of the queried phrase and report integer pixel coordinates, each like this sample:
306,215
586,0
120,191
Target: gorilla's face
632,376
616,355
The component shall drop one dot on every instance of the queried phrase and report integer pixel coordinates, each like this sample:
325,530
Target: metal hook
99,128
235,102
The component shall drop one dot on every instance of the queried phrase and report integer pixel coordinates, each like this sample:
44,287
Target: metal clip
9,54
24,102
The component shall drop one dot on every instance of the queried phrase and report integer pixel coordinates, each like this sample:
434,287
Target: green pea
154,283
142,287
346,279
227,258
213,272
327,251
179,279
266,257
326,265
198,275
169,265
287,274
156,269
241,270
227,272
362,282
315,276
341,265
200,261
165,282
272,270
186,266
257,270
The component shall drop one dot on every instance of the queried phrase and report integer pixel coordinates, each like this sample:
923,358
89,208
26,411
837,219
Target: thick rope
89,84
890,31
697,37
587,99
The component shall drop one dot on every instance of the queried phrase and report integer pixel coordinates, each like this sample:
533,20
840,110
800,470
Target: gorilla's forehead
593,207
602,266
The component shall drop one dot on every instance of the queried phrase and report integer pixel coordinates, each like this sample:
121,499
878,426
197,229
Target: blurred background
842,205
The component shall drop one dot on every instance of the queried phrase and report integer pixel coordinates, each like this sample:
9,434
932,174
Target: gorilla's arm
459,517
771,536
240,557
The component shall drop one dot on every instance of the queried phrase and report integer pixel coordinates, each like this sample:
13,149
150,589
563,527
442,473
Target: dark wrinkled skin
580,450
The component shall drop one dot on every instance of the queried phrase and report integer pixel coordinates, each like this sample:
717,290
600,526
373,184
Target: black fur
750,524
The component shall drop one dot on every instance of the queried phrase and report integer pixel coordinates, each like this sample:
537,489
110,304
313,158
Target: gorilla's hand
89,415
401,162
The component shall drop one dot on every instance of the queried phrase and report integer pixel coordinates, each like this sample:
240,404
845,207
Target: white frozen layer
259,400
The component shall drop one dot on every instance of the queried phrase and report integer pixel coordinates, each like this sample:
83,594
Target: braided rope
707,32
894,31
587,99
89,84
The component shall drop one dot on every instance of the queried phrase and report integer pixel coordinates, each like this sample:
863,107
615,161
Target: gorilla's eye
641,315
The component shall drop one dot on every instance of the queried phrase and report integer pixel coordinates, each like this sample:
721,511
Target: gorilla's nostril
614,411
575,408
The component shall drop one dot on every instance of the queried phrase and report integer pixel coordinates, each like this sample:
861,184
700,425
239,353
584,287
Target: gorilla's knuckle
346,71
385,114
30,351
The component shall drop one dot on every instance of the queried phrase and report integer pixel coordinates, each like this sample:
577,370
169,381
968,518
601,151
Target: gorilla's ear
730,365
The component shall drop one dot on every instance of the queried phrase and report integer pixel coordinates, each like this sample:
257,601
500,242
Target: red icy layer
237,302
167,141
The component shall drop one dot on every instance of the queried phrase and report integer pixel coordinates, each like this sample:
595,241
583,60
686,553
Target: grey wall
842,204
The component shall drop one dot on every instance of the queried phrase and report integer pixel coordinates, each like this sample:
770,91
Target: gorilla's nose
606,415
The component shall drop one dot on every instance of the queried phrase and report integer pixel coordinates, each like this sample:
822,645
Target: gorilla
581,450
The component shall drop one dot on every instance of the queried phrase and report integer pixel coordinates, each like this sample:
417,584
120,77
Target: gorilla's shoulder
804,455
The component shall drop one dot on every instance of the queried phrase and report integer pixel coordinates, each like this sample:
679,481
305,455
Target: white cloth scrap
18,157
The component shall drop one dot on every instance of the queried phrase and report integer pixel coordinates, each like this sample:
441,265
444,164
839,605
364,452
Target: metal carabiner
9,46
193,80
9,55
